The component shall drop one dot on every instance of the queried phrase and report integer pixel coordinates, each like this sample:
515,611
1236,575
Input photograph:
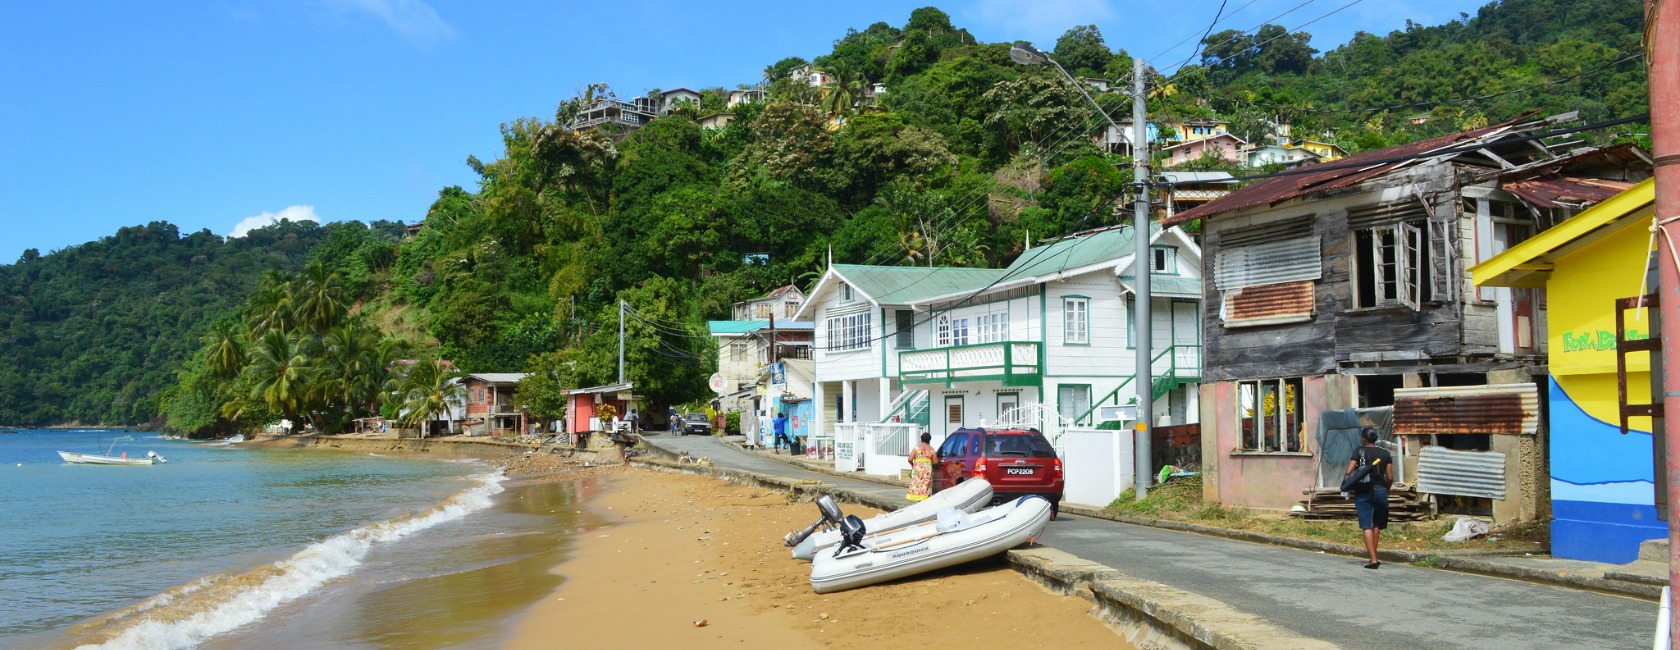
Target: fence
847,456
889,447
1097,464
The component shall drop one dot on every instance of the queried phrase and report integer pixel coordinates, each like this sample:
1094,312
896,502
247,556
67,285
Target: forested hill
960,157
94,333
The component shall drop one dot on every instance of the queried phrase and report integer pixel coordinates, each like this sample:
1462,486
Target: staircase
911,406
1159,385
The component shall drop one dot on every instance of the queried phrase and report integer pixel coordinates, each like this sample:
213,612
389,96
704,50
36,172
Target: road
1327,597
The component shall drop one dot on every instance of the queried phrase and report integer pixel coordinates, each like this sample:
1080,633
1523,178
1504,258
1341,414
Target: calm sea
230,547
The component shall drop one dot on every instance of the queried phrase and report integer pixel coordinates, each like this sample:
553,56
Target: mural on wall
1603,498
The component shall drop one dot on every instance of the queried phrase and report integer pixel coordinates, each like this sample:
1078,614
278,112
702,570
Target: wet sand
677,549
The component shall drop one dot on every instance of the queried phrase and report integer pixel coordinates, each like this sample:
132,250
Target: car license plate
1018,471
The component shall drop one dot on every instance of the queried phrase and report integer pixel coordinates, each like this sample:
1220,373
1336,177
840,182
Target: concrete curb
1462,561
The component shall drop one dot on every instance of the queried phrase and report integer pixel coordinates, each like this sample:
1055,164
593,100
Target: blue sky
217,113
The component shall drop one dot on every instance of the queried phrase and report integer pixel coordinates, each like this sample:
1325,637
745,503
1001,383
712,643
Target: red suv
1016,461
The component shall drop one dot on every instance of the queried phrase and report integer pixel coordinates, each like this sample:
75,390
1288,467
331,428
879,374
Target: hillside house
715,121
1271,154
584,407
1194,129
1224,146
1043,343
1348,288
1185,190
744,96
782,303
1325,151
672,98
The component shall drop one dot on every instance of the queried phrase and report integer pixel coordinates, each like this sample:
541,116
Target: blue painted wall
1603,499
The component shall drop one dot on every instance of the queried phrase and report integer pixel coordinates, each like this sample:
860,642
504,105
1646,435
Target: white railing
1002,359
847,450
888,446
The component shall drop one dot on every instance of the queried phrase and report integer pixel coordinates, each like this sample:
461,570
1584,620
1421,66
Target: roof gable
1528,264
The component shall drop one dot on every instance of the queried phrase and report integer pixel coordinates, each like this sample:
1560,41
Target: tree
541,392
1082,51
427,389
280,374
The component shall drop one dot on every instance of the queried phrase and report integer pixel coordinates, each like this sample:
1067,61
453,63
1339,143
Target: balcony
1011,362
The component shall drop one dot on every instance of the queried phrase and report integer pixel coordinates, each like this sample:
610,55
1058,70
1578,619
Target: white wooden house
1044,343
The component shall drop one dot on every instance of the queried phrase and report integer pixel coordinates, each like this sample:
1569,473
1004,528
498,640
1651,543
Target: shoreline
674,549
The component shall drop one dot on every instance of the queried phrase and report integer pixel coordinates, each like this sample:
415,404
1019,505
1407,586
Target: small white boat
150,458
865,560
967,496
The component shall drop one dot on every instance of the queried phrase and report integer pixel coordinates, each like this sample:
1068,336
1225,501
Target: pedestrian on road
778,426
635,422
1370,497
921,470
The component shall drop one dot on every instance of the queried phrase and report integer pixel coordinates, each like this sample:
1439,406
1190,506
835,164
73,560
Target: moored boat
967,496
864,559
150,458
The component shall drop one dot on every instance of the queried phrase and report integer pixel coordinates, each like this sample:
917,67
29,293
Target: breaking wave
188,615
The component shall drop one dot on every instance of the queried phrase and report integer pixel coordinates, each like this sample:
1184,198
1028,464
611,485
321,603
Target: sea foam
192,613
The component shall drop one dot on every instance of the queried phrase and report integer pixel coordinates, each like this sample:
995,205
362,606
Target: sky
227,114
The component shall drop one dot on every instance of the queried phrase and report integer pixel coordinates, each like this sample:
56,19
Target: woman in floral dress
921,470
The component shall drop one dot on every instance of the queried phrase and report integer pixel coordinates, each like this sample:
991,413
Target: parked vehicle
1016,462
696,423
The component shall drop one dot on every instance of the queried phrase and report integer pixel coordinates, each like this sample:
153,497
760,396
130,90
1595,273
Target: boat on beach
968,496
953,538
74,458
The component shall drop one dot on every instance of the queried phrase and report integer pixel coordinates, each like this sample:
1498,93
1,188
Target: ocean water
232,547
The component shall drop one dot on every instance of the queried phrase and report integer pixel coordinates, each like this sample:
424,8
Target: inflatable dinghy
955,537
967,496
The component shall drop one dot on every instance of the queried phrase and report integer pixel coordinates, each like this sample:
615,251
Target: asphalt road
1328,597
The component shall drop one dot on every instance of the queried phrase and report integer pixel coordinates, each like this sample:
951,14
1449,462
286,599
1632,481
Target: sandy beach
673,550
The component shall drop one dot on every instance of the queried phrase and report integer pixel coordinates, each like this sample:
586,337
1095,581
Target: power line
1198,49
1204,34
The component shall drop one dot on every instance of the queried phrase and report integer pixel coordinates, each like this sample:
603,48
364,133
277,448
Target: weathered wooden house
1345,286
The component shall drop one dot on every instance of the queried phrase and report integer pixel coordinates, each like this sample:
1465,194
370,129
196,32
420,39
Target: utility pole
621,341
1662,45
1142,265
772,336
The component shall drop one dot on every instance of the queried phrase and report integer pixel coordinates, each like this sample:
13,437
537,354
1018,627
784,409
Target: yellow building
1196,129
1602,482
1326,151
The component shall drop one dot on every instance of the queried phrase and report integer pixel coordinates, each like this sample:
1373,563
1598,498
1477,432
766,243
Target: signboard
718,384
778,374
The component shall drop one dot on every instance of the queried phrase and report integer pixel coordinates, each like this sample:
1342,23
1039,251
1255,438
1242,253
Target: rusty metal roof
1499,409
1548,192
1261,304
1465,473
1343,173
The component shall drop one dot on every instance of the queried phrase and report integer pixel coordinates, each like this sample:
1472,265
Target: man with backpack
1370,471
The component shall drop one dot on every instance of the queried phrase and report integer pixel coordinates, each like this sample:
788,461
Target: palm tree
282,373
320,299
224,350
427,389
845,91
270,307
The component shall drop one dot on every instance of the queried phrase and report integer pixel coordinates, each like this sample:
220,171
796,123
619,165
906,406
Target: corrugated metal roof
1511,409
1168,285
727,327
1268,302
1096,248
1517,267
1345,172
1547,192
1463,473
499,377
1198,177
902,285
1290,260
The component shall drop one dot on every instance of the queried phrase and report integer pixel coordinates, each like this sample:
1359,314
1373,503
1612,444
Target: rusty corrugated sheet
1348,171
1462,473
1547,192
1274,262
1511,409
1269,302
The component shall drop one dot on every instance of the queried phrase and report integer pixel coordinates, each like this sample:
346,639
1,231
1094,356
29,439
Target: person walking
921,470
1370,491
635,422
778,427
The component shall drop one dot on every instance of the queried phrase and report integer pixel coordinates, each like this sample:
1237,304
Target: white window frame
1163,260
1076,320
850,332
992,328
738,350
1396,253
1270,433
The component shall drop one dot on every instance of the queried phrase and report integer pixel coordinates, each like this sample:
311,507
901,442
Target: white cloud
1041,21
293,213
414,20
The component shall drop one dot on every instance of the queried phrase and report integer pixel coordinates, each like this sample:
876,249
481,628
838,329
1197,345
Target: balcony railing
1011,362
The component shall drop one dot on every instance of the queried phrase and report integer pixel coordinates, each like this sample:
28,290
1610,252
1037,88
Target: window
1388,263
952,331
761,311
1269,415
849,332
1163,259
845,292
1073,400
1076,321
992,328
790,309
737,350
906,328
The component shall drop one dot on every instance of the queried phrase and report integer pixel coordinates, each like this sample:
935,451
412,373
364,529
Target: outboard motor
851,534
831,517
156,456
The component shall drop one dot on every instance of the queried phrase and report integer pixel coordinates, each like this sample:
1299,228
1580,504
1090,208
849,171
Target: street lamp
1142,264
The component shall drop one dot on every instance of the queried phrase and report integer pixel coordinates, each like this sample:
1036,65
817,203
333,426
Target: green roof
734,326
1073,253
902,285
1176,285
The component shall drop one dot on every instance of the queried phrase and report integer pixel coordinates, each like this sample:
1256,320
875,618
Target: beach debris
823,616
700,623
